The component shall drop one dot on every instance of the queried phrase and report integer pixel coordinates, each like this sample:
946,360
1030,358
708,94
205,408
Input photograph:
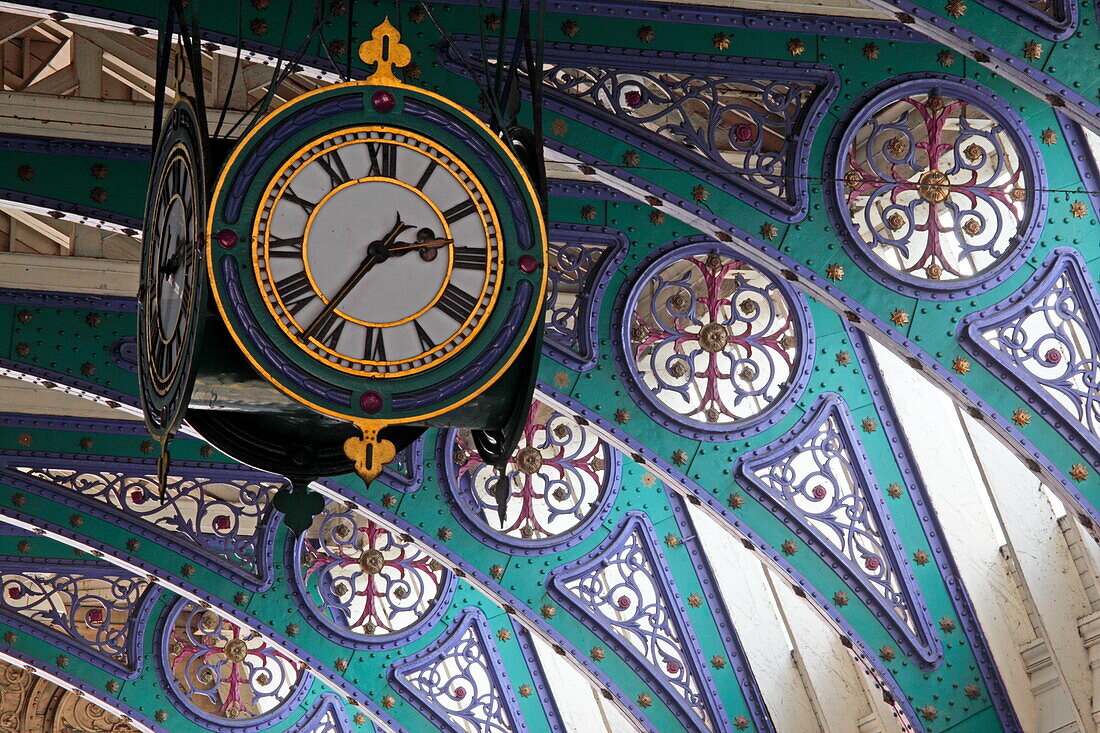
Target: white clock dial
377,251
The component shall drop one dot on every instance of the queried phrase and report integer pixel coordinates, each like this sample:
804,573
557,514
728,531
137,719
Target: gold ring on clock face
377,251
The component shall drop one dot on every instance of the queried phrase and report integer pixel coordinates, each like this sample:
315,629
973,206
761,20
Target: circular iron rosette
365,586
562,479
938,188
173,291
223,676
712,346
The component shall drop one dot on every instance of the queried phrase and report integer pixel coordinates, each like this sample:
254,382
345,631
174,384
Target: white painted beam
79,274
970,527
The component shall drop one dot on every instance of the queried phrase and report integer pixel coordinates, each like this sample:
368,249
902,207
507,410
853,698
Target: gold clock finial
386,50
370,453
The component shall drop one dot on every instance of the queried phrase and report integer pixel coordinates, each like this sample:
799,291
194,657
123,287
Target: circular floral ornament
364,584
225,674
562,479
939,187
719,348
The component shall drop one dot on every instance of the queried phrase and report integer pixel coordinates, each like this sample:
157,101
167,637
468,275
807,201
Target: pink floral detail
744,133
705,366
397,560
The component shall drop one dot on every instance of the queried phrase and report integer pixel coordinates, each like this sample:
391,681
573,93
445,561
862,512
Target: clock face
378,254
377,251
173,272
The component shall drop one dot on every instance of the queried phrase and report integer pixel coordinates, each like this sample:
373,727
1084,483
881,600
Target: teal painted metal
805,247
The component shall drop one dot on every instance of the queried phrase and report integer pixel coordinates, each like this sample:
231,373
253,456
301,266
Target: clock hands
426,244
376,252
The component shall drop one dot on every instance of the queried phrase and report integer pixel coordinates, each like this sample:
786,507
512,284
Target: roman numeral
295,291
328,333
334,166
456,302
289,247
426,343
468,258
432,165
375,348
307,206
461,211
383,160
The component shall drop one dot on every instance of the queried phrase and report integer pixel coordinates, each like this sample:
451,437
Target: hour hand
426,243
403,247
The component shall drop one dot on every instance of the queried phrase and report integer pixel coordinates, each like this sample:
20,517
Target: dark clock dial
173,271
377,251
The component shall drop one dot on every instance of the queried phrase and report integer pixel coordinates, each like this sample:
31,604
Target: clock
379,256
422,269
171,303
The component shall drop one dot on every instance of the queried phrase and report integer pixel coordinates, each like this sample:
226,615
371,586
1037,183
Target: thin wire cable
236,66
318,8
291,67
607,167
494,109
347,48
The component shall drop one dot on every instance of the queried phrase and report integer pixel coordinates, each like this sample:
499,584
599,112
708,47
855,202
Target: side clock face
173,274
378,251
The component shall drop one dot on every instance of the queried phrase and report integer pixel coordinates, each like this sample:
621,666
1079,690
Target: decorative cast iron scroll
1045,340
819,477
460,683
365,584
712,342
625,588
215,511
563,478
939,190
89,608
582,260
745,125
224,674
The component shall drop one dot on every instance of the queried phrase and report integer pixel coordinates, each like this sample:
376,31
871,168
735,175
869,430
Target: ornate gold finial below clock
370,453
386,50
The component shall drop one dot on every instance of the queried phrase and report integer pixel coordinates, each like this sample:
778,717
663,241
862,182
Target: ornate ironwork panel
939,190
745,125
459,682
1045,340
362,583
90,608
625,589
327,717
224,517
819,476
712,342
582,260
225,674
563,478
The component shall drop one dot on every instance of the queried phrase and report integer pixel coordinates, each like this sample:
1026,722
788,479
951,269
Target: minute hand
356,276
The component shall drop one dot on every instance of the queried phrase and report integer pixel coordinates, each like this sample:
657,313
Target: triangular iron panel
819,478
626,590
